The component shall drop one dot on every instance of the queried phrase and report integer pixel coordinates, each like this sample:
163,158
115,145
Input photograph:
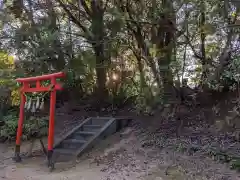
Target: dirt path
35,168
124,156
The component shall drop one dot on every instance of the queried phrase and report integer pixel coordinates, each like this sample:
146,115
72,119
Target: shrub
9,129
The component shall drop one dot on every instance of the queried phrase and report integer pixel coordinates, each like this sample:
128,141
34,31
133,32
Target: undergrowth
9,129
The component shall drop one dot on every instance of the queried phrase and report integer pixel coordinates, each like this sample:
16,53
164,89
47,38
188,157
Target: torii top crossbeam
41,78
38,79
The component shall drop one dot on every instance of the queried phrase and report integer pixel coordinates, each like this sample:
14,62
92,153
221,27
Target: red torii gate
53,87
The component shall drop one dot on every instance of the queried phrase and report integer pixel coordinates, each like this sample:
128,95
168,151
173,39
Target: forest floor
146,150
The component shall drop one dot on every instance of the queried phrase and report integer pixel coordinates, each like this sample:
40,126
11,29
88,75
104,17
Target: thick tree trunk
165,45
98,46
101,73
165,48
138,56
95,35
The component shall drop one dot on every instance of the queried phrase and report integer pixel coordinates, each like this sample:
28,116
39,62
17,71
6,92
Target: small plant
231,75
9,129
235,164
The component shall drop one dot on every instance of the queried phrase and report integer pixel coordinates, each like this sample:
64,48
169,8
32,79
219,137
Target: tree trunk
138,56
136,29
95,35
98,46
101,73
146,54
165,45
59,62
203,38
225,57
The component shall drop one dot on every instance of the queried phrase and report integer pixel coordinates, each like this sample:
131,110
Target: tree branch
86,8
73,18
105,7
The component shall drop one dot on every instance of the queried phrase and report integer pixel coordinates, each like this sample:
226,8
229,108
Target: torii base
17,158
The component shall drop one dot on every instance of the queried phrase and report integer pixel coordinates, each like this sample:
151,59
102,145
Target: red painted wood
51,117
41,89
38,84
41,78
20,120
26,88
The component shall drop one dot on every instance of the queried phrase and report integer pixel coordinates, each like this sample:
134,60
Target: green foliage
81,73
232,74
235,164
8,131
214,85
8,86
123,94
127,36
230,77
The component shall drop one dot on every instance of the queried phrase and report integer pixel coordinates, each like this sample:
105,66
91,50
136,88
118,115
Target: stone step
85,133
72,143
85,136
92,126
101,121
64,151
75,141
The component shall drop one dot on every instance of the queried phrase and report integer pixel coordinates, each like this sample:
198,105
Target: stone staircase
84,136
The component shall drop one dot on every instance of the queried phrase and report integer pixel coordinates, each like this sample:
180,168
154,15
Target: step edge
71,132
95,136
77,152
85,132
103,118
77,141
89,125
64,151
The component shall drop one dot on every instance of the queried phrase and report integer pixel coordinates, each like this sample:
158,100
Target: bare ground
128,155
147,150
